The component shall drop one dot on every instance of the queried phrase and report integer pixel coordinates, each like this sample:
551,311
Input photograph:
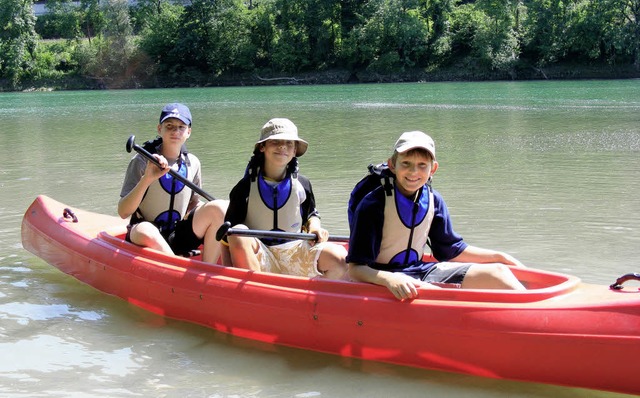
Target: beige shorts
297,257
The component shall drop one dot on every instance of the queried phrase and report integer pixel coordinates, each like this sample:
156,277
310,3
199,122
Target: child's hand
314,227
510,260
405,287
155,172
321,233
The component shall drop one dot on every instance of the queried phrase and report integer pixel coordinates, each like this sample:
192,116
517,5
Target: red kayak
560,331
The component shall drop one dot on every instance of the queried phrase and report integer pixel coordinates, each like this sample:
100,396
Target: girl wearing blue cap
167,215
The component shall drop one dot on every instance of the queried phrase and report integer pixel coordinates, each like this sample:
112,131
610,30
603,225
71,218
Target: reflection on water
48,354
22,313
546,171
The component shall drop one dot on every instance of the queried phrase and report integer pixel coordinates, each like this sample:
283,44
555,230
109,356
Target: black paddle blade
222,231
130,143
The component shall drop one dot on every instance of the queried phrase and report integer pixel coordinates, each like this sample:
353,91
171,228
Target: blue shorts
444,272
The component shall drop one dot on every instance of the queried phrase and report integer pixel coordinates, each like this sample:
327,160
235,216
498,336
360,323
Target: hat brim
301,148
181,118
409,146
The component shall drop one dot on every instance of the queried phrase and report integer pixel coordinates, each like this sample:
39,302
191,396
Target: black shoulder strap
382,170
387,185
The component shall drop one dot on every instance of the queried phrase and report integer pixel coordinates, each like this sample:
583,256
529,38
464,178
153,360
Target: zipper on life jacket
275,208
414,212
172,223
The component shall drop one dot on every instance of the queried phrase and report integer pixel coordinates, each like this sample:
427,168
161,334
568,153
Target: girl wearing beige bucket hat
272,196
282,129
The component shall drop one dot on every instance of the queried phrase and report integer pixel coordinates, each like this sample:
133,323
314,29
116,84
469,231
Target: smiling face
412,169
278,152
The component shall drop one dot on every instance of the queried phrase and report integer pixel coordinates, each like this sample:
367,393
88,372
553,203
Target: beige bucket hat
282,129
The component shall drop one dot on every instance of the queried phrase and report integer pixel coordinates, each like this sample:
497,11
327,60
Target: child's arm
238,197
130,202
402,286
473,254
314,226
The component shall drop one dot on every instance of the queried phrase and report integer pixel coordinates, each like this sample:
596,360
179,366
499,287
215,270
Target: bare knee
218,208
239,243
243,251
212,212
141,233
332,261
146,234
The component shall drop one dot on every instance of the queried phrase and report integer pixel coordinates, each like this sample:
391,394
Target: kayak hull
561,331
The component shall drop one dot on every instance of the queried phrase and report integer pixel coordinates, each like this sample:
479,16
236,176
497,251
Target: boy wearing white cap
166,215
390,230
273,196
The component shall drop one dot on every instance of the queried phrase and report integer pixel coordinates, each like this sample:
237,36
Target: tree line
161,43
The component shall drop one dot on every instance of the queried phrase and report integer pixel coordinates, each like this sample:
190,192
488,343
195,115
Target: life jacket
275,206
406,227
167,199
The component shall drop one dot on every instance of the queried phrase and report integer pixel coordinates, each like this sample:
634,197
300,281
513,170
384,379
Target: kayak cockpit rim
541,285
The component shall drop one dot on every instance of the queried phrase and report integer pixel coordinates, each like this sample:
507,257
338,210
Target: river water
547,171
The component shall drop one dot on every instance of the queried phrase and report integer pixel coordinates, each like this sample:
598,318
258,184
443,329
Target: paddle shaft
173,173
226,229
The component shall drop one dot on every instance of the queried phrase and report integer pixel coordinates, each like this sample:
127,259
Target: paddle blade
222,231
130,143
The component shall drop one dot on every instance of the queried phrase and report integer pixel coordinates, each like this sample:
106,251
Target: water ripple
23,313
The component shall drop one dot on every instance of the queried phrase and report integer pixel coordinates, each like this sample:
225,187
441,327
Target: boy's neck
274,173
170,153
410,195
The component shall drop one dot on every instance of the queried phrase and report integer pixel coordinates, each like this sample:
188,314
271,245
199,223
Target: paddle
226,229
132,145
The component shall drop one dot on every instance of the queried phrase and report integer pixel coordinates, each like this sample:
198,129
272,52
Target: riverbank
335,76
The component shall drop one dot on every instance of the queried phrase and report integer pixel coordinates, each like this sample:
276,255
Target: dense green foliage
163,43
17,40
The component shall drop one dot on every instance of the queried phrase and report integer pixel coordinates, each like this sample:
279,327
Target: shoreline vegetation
112,44
555,72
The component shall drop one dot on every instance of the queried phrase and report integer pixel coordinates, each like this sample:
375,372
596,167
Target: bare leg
206,221
243,251
146,234
332,261
491,276
226,256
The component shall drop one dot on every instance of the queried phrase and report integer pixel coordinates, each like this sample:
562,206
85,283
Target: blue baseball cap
176,110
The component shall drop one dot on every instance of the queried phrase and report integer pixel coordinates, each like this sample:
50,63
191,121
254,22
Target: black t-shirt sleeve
308,207
238,202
